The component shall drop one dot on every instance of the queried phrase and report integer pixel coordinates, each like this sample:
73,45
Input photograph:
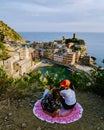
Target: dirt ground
18,115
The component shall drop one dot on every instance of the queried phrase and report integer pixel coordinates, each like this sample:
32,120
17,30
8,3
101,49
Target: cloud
50,13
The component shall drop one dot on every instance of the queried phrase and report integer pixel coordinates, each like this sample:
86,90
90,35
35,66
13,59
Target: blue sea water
94,41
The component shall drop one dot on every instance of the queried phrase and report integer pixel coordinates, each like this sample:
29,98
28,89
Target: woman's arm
46,91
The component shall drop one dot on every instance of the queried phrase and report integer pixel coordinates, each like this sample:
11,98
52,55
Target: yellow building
66,59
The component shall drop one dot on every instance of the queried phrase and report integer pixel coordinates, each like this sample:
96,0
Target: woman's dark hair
72,86
56,93
62,88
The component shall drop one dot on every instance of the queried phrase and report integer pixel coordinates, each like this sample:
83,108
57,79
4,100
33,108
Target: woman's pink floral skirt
64,117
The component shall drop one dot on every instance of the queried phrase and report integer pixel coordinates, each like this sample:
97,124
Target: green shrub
37,81
81,80
98,87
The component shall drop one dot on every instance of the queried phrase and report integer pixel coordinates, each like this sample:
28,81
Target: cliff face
8,34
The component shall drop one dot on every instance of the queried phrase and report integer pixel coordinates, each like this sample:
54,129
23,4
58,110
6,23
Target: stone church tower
74,36
24,53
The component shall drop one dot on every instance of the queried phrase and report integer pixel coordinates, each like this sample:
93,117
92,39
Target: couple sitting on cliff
55,99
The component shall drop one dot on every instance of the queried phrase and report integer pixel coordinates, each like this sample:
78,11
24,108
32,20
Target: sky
53,15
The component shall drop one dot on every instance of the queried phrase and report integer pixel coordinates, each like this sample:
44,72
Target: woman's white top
69,96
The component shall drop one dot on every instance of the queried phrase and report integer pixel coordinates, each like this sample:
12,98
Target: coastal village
18,94
23,56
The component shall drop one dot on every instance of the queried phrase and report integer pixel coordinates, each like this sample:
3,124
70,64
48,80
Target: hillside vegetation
3,52
33,82
7,33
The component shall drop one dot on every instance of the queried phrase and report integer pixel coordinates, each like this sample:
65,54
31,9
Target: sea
93,40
